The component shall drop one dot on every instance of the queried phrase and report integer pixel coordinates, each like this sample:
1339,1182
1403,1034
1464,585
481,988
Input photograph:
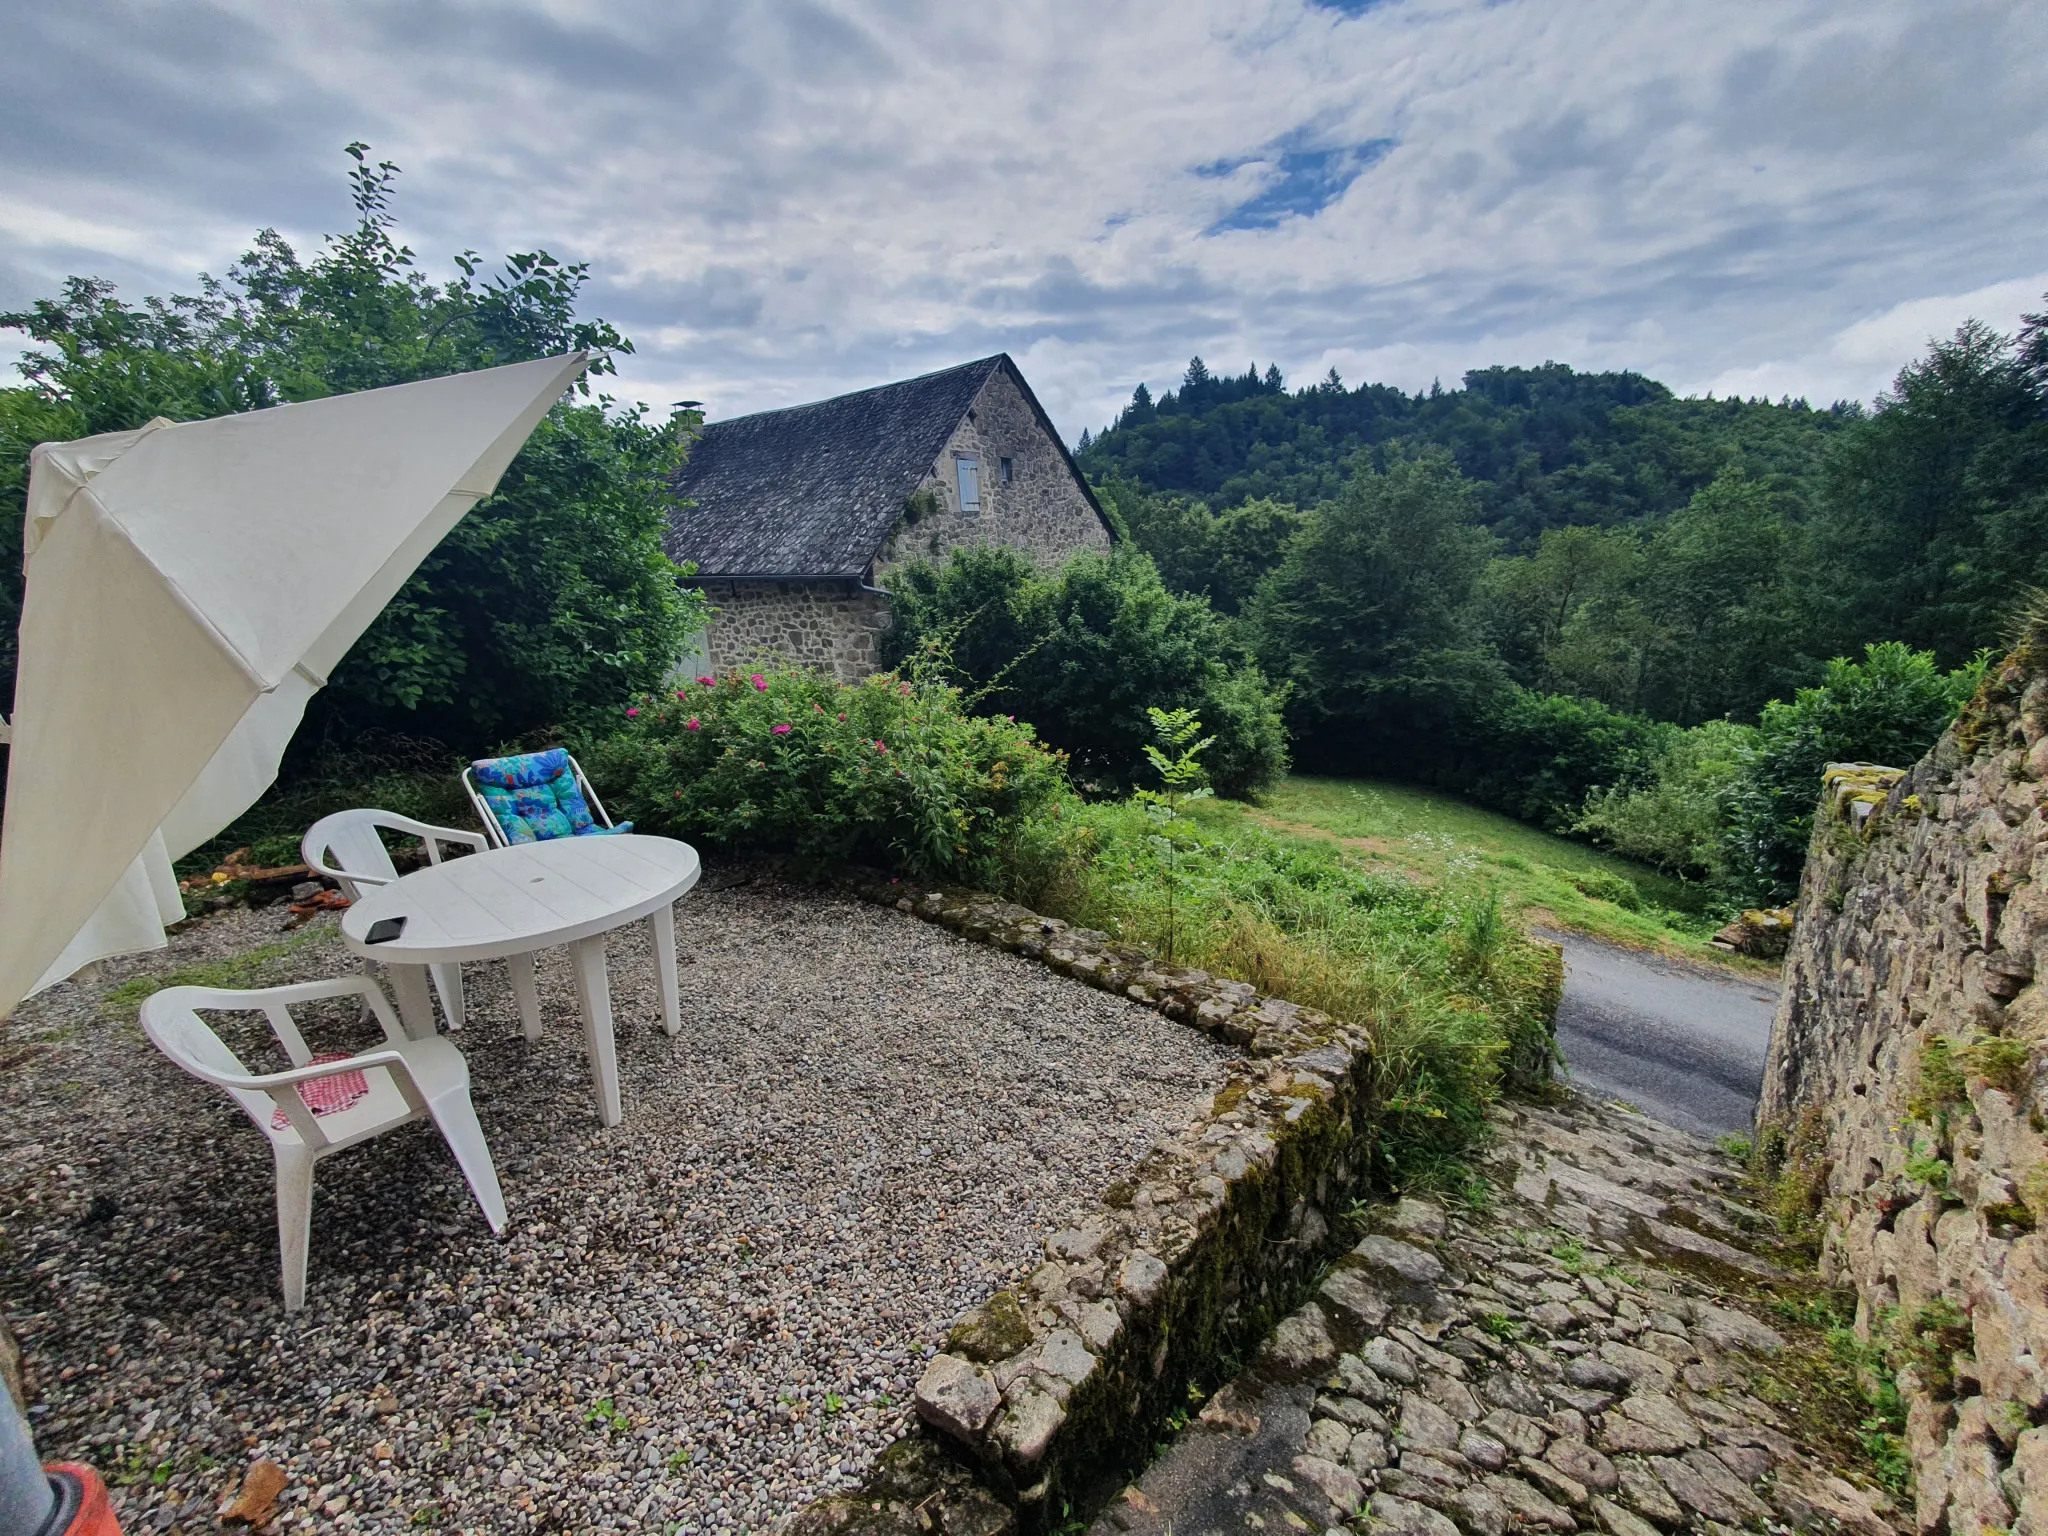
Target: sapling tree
1175,755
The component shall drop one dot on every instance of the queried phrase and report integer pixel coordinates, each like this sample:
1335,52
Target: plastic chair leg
294,1220
448,985
456,1117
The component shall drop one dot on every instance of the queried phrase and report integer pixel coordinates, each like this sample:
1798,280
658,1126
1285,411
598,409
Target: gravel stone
1518,1432
1302,1341
702,1318
1482,1450
1529,1508
1355,1297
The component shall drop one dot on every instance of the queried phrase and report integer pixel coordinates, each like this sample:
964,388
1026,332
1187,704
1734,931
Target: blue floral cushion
535,797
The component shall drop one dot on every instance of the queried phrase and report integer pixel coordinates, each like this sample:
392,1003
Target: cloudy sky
782,199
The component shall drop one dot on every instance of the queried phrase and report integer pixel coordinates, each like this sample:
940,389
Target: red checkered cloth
326,1095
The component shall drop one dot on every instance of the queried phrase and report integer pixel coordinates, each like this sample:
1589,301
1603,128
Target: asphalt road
1683,1044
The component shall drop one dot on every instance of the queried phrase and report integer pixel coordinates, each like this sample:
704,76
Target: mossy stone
994,1331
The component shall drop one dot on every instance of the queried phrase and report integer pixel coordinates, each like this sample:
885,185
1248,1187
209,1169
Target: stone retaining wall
1050,1388
1905,1094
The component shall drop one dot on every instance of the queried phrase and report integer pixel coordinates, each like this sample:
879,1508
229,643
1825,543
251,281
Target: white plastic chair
402,1080
360,859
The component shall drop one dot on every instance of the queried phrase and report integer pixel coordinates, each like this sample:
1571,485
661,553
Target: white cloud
785,199
1860,360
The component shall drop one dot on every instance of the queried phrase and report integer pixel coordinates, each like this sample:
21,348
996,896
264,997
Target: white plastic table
512,901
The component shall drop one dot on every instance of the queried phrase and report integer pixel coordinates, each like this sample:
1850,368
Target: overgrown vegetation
1542,878
1456,997
1083,652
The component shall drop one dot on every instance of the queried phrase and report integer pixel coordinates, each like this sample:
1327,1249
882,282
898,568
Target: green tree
1935,508
1565,617
1718,587
1220,556
1370,616
548,603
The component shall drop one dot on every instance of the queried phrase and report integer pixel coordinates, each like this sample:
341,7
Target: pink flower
780,730
691,724
708,682
756,679
842,717
882,748
680,692
632,712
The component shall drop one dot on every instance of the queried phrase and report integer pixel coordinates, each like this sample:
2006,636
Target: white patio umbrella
189,587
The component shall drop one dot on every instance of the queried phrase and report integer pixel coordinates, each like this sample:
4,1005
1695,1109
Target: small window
969,471
1009,471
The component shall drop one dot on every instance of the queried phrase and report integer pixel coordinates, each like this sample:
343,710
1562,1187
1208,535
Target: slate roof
813,490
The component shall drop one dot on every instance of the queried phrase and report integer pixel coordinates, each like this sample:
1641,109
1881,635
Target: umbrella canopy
189,586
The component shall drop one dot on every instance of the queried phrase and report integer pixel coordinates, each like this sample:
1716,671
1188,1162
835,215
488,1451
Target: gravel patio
695,1322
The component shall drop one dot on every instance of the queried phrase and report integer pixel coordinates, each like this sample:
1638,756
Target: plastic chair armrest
339,875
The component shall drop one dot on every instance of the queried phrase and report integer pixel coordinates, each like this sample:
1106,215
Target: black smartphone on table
384,930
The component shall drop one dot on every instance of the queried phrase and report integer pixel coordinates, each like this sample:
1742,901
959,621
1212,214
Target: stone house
792,517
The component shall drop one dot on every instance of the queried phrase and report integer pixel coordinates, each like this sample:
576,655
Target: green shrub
1083,652
1538,756
1677,821
1603,886
1888,708
888,772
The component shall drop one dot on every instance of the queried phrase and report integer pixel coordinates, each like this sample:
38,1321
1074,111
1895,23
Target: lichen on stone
993,1331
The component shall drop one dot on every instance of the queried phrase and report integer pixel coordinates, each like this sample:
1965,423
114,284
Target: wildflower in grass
842,715
680,692
691,724
708,682
633,712
780,730
760,683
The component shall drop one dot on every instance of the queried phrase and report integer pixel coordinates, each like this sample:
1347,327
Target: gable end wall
1042,512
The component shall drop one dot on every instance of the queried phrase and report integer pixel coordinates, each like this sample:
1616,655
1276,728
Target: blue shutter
970,484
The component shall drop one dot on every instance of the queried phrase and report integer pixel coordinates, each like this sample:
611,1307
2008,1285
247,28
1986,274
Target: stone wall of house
1905,1096
833,626
1039,510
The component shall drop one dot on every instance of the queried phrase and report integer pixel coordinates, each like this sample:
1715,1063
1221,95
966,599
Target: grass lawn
1542,879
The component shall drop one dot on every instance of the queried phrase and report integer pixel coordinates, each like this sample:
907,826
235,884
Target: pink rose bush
890,772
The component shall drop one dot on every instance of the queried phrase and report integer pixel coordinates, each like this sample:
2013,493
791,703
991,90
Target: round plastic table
509,902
